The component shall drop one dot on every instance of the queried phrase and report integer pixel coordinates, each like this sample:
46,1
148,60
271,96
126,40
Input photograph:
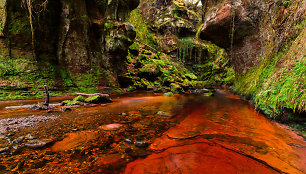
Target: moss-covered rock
168,94
176,88
71,103
98,99
79,98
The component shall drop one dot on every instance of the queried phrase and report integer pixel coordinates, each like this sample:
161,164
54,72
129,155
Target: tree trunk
29,5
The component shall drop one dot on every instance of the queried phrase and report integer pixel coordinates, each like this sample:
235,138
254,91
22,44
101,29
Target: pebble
29,137
142,144
110,126
129,141
10,134
4,149
18,140
66,109
35,144
161,113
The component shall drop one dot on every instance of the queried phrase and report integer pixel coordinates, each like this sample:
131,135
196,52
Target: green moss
97,99
144,35
176,88
168,94
72,103
79,99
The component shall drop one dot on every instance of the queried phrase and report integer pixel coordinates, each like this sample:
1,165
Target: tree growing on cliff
40,6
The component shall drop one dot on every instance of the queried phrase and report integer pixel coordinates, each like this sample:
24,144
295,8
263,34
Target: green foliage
277,84
212,67
144,35
155,71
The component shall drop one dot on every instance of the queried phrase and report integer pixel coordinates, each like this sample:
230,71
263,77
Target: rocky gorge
189,50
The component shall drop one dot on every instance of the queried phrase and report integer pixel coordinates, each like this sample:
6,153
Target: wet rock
72,103
18,140
209,94
162,113
98,99
114,126
4,149
40,106
29,137
16,147
10,134
142,144
35,144
200,91
64,109
129,141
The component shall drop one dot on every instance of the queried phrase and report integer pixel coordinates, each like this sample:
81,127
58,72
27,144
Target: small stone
5,149
124,114
129,141
29,137
18,140
10,134
35,144
142,144
110,126
161,113
64,109
16,147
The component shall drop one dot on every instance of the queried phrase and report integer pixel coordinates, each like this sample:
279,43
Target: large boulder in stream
96,99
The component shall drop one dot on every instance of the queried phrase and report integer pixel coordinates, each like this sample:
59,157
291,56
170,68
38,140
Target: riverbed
149,133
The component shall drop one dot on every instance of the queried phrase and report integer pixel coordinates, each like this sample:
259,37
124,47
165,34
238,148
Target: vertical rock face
78,34
93,33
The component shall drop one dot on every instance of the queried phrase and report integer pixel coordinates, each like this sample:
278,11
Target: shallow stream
149,133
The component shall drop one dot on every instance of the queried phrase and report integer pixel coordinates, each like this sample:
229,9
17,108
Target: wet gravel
13,124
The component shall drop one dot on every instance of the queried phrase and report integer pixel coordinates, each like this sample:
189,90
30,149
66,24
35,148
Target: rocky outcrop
248,28
80,35
92,35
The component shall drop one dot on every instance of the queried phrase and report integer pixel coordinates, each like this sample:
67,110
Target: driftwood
88,95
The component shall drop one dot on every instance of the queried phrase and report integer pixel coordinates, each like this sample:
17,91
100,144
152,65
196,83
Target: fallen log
30,106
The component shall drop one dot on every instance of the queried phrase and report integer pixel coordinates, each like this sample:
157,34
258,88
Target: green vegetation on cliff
278,83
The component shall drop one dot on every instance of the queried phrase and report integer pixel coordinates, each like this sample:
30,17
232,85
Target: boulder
98,99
